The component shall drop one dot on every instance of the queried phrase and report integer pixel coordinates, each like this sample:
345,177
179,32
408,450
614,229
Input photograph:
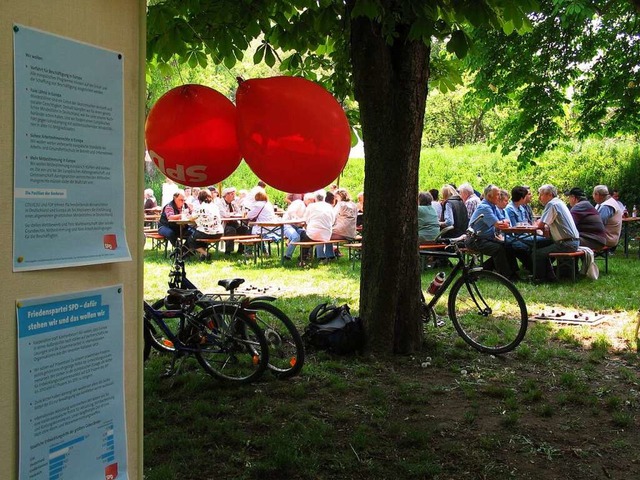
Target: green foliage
575,73
584,164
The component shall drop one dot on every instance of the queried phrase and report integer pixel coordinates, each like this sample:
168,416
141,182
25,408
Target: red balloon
191,135
293,134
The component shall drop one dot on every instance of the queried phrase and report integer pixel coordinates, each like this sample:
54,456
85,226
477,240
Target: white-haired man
610,213
557,217
469,197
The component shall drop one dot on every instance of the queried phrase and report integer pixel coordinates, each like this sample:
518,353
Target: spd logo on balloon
191,135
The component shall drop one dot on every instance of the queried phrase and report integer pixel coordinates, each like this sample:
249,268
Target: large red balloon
293,134
191,135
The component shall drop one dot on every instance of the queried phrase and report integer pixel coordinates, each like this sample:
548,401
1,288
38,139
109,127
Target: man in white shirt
319,224
557,217
295,212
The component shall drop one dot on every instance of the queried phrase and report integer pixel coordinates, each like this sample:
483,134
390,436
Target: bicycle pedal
440,323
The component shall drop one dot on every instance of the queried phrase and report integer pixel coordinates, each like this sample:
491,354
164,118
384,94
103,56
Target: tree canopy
575,74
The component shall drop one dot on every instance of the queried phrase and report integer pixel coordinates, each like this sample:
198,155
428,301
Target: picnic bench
312,244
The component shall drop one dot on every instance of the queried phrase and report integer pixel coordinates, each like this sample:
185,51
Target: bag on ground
334,329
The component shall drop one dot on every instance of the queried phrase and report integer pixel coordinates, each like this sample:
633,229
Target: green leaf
269,57
458,44
259,55
508,28
229,61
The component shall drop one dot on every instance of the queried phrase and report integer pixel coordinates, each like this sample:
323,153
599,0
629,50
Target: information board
69,153
71,386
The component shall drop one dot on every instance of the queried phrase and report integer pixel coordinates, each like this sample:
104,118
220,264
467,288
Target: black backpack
334,329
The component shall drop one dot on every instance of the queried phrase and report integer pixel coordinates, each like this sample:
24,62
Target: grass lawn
564,405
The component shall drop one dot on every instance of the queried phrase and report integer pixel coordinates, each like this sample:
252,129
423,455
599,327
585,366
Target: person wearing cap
610,212
557,217
588,221
228,208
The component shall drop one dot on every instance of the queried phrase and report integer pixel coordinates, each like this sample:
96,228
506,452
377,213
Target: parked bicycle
286,348
486,309
230,348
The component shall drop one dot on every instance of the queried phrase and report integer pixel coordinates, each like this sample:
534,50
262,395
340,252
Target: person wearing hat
228,208
587,218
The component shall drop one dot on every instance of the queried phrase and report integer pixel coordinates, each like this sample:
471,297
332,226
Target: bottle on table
634,212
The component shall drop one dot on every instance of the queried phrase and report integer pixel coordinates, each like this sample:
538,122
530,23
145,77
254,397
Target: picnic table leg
625,225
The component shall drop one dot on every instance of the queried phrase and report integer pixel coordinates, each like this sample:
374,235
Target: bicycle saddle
231,283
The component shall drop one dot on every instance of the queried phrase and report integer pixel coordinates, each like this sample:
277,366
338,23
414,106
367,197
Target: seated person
587,220
208,223
295,212
150,202
173,211
319,225
428,224
360,220
486,222
454,212
435,203
229,207
345,214
611,214
557,218
262,211
520,249
515,209
469,197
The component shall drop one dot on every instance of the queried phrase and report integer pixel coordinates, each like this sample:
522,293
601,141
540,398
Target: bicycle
232,349
486,309
286,347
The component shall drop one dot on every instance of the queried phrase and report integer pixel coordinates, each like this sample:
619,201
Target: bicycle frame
158,318
459,268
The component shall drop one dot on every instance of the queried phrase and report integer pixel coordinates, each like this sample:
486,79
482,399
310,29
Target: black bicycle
486,309
230,348
286,348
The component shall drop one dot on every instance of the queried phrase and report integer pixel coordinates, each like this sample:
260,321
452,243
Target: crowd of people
316,216
332,215
560,227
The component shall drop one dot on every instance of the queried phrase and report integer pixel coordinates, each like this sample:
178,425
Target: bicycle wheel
488,312
232,347
286,349
155,337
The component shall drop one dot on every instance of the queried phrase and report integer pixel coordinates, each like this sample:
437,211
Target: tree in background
575,74
376,51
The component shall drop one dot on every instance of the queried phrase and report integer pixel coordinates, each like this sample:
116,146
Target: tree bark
391,88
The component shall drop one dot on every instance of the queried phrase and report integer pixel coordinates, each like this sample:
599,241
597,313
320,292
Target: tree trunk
391,88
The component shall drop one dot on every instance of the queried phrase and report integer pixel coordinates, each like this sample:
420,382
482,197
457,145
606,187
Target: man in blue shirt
486,221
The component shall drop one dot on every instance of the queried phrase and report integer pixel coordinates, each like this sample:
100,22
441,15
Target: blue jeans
293,234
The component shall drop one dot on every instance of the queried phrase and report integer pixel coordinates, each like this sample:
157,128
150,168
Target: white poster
69,149
71,386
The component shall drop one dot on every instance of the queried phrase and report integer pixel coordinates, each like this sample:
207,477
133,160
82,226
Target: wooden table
525,232
276,227
180,242
625,231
